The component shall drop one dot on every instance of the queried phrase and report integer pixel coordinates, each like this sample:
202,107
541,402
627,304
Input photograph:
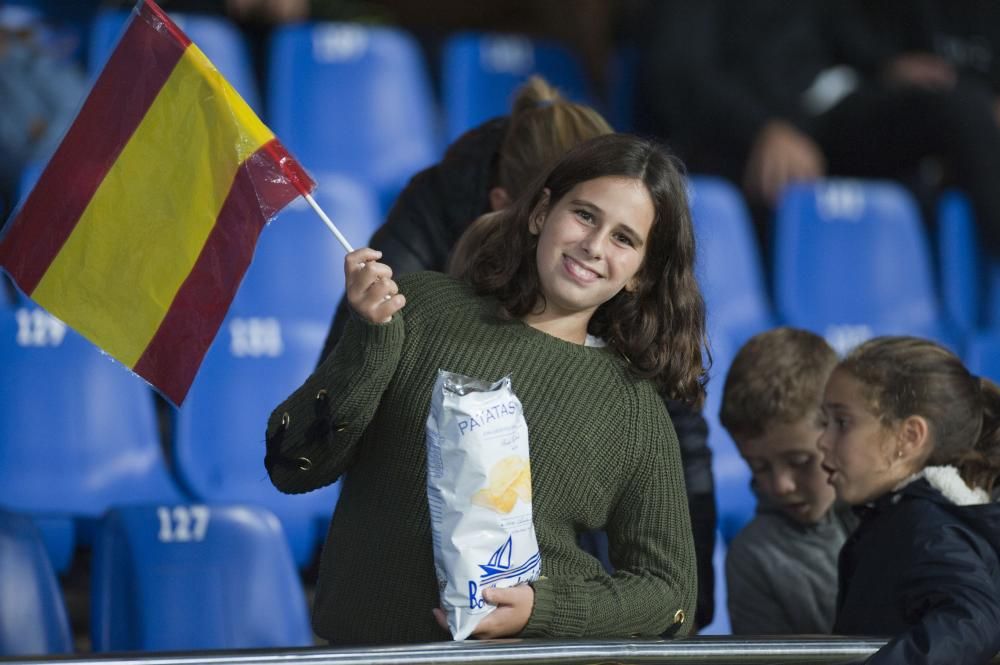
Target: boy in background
781,569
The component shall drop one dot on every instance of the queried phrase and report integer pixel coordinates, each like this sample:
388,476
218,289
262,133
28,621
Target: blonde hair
543,126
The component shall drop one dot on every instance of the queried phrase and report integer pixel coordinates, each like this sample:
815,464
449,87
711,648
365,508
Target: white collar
946,479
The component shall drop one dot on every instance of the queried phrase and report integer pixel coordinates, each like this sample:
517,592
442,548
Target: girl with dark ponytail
912,440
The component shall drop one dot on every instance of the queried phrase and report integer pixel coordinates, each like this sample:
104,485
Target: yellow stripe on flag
153,212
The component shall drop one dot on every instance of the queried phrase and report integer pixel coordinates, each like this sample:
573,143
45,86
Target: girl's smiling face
858,449
591,244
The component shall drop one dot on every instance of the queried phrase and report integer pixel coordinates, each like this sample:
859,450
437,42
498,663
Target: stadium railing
703,650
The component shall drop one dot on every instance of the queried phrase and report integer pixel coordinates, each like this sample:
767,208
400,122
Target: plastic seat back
216,36
720,621
188,577
298,266
66,23
32,612
852,261
254,364
735,501
481,72
982,354
72,419
961,263
729,267
353,99
623,80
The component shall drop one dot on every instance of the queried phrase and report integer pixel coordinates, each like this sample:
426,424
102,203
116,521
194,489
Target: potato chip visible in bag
479,493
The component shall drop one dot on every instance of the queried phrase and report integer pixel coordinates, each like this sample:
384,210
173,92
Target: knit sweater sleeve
654,586
312,435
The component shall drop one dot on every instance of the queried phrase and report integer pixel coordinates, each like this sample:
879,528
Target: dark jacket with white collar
925,571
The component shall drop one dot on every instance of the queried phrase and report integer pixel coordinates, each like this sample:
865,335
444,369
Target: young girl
911,439
588,300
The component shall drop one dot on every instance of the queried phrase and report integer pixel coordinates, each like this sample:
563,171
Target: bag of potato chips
479,491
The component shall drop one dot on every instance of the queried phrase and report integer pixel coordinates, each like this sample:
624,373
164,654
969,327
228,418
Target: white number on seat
36,328
254,338
182,524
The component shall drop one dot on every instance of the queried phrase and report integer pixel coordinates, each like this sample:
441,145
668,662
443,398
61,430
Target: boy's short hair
777,377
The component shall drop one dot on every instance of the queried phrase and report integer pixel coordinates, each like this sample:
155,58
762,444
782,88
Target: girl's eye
585,215
623,239
841,423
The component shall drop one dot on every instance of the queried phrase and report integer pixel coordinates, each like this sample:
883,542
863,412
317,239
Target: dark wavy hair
660,326
906,376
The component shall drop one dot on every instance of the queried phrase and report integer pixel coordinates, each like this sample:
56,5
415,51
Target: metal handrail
703,650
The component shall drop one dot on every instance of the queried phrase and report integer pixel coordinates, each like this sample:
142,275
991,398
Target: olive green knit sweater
603,454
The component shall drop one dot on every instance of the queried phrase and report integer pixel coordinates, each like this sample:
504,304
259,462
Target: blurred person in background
41,92
772,92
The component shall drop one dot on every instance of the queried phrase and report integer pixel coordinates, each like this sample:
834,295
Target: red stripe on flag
173,356
137,69
150,10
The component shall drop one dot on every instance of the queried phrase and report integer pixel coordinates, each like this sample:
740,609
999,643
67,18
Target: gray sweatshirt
782,575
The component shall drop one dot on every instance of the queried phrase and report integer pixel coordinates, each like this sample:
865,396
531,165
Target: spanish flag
146,217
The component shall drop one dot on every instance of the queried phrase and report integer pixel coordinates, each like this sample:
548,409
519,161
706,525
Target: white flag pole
326,220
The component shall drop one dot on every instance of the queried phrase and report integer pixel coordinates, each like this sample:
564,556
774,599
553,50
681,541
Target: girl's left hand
513,610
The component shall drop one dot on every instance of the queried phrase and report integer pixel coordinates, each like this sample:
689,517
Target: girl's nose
593,244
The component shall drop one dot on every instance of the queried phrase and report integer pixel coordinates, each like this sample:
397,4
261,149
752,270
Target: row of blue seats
851,261
358,99
163,578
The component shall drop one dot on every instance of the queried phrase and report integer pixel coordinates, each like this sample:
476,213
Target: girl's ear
914,439
537,219
499,198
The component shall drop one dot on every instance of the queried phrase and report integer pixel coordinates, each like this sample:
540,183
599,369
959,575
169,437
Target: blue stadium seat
66,23
216,36
253,365
353,99
191,577
982,354
481,72
735,501
78,432
298,266
852,261
960,262
729,266
992,297
623,80
32,613
720,622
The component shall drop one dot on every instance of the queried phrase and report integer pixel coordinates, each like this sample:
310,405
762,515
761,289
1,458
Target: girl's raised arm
312,435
